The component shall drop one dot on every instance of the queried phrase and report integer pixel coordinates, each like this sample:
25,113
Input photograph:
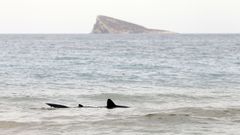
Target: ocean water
174,84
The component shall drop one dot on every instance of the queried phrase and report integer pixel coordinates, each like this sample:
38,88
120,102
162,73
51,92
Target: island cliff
105,25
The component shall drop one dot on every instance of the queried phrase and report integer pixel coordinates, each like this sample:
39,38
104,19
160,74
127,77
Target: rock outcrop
105,25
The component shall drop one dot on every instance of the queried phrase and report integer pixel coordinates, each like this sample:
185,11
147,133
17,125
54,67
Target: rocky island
109,25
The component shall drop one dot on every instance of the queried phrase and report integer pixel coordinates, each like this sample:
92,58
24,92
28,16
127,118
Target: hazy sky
78,16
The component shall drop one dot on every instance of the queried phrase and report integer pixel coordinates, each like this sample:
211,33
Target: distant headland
109,25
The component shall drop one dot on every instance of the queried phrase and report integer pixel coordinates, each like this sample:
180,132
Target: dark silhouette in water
57,105
110,105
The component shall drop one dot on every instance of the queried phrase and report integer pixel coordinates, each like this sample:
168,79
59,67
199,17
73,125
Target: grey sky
78,16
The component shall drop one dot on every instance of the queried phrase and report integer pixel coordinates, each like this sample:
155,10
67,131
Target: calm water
175,84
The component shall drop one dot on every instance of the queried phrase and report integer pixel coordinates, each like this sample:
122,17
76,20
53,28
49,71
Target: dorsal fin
110,104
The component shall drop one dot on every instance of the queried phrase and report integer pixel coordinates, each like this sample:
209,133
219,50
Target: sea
179,84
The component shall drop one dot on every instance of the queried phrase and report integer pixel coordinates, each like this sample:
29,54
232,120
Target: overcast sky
78,16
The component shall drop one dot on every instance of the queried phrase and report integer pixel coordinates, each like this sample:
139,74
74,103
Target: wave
197,114
12,124
67,58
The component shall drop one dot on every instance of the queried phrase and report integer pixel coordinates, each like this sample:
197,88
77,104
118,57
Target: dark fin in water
79,105
57,105
111,105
